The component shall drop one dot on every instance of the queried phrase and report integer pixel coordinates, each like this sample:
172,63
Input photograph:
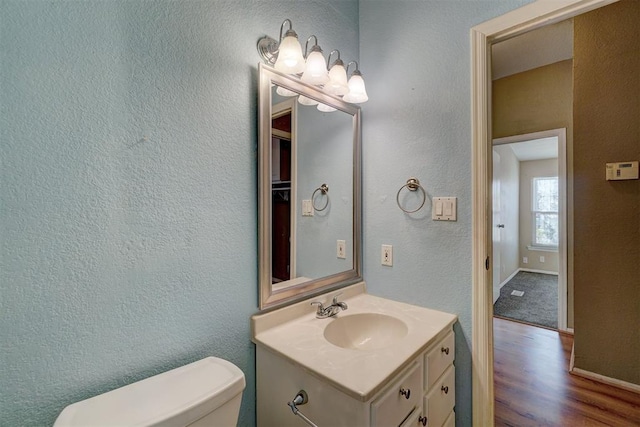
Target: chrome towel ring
412,185
323,189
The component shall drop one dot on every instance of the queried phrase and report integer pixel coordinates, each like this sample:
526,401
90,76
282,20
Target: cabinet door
402,397
451,420
441,399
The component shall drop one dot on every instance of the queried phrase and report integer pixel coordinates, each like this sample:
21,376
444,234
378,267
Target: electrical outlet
341,249
525,260
541,258
387,255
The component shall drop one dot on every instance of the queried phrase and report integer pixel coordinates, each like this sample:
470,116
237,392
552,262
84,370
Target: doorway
529,228
283,196
519,21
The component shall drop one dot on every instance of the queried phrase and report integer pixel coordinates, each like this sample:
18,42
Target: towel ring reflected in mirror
323,189
413,184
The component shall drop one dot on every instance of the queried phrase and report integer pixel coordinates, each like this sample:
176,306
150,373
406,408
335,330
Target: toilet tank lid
177,397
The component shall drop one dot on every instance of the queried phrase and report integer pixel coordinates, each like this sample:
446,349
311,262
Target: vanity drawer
441,399
399,400
438,359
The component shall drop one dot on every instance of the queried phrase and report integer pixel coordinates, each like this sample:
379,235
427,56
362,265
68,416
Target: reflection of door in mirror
281,193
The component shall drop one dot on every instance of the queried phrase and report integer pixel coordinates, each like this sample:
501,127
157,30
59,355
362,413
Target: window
545,211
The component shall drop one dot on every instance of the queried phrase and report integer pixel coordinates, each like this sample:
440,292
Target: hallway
534,388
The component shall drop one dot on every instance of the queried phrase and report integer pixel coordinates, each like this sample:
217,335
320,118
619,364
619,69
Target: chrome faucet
336,306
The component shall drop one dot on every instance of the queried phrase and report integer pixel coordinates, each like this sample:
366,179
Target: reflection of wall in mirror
325,155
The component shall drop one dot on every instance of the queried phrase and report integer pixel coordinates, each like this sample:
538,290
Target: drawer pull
422,420
405,393
445,350
445,389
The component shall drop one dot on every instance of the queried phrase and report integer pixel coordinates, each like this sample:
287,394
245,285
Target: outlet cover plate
387,255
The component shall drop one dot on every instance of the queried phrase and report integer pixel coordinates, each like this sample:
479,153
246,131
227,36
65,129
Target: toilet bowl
203,393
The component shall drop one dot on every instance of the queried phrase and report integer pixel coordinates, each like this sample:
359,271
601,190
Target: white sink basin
365,331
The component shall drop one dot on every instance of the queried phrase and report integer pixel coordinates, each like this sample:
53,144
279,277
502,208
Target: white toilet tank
203,393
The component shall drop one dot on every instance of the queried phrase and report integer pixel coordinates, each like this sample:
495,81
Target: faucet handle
335,298
320,306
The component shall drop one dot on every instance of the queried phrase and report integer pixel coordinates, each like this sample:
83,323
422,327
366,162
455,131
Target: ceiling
536,149
543,46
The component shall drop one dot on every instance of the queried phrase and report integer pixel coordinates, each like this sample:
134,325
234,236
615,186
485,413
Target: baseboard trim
635,388
508,278
531,270
573,357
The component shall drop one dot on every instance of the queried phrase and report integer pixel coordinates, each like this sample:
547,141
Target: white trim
560,135
542,248
606,380
510,277
531,270
572,361
526,18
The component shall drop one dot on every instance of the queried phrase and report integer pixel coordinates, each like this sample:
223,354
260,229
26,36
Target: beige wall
607,213
533,101
529,170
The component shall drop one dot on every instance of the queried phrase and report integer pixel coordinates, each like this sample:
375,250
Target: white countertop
296,334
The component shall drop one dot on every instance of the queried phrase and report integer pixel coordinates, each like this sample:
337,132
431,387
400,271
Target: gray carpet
539,303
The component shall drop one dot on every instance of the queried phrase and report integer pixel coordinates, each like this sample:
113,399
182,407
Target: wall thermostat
622,170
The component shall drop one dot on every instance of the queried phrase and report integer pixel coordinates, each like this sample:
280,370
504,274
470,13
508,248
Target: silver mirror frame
268,298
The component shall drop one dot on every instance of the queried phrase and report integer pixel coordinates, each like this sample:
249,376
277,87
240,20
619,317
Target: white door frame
561,135
526,18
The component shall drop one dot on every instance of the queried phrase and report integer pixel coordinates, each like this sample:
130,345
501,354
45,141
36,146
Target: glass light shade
306,101
315,72
285,92
357,92
337,84
290,60
325,108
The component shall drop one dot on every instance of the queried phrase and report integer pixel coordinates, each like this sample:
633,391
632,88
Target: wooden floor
534,388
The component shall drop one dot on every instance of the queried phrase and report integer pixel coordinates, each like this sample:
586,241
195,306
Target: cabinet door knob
422,420
445,389
445,350
405,393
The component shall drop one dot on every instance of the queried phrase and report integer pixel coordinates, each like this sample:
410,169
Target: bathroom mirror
309,190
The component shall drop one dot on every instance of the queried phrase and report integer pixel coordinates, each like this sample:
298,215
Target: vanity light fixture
315,72
286,53
357,92
326,108
306,101
285,92
337,84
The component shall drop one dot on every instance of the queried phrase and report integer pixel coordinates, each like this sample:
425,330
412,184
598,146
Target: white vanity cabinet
422,394
400,399
439,384
378,363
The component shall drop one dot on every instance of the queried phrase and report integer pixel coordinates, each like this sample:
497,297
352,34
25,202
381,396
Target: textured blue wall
415,58
128,193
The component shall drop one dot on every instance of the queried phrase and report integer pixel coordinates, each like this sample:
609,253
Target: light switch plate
444,209
307,208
